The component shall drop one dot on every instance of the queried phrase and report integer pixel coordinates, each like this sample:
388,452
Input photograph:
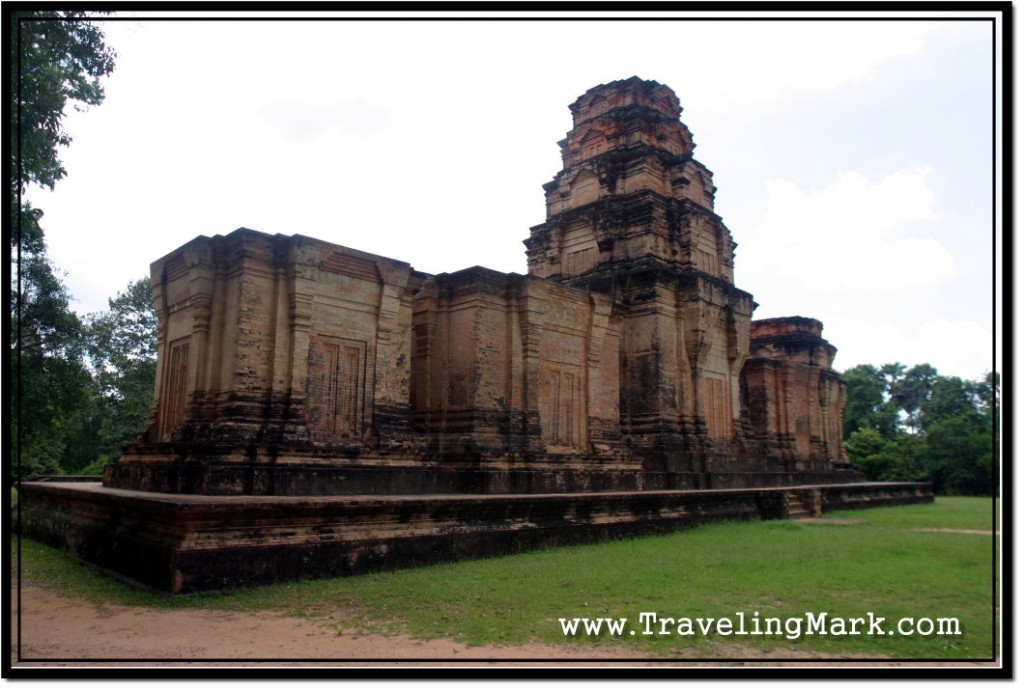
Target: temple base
185,543
303,478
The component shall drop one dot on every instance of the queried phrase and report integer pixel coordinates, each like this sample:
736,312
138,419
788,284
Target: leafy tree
892,373
122,351
910,459
59,57
887,460
865,448
867,402
947,432
55,389
911,391
960,454
951,396
987,393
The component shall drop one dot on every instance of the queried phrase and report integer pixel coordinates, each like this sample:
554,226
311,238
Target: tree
913,390
987,391
947,433
122,352
892,373
960,434
865,448
887,460
960,454
59,57
867,402
54,387
951,396
55,390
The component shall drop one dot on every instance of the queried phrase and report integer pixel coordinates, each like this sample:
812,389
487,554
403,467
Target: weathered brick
626,348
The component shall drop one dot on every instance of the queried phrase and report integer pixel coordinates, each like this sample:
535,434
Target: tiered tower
623,361
631,215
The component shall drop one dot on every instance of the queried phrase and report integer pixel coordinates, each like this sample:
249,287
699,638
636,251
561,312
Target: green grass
886,565
963,513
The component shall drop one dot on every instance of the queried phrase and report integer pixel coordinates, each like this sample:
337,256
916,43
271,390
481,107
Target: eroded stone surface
625,359
183,543
322,411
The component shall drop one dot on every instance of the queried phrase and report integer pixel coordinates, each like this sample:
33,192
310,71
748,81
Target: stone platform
185,543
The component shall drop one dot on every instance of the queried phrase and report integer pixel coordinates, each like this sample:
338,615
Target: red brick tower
631,215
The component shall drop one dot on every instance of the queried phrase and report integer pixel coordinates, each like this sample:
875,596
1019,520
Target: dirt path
56,630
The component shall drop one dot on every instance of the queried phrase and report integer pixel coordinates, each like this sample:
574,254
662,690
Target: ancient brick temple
367,415
625,359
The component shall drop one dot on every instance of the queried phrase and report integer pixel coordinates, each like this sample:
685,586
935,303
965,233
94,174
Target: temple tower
631,215
795,398
625,360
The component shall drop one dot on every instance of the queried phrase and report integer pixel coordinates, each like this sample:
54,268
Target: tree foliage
912,390
87,390
868,404
55,390
59,58
122,348
913,424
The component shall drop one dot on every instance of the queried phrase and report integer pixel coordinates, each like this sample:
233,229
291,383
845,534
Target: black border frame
1002,208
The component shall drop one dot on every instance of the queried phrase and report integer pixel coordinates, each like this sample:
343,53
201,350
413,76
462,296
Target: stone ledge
185,543
397,476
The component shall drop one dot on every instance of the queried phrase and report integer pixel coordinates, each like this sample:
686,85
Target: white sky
853,159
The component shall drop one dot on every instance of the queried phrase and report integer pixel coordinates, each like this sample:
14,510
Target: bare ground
58,631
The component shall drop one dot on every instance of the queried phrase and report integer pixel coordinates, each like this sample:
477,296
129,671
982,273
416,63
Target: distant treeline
909,424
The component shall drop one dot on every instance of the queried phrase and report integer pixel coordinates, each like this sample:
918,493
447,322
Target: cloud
955,347
776,60
864,255
298,122
851,235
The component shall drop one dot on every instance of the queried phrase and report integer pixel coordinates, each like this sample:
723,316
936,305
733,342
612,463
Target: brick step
796,509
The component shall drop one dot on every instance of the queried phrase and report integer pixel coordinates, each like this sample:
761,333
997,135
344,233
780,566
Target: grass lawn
894,563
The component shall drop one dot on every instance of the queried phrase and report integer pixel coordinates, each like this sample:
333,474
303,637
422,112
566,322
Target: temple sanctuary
626,358
323,411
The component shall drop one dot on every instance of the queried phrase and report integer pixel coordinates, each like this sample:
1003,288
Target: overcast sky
853,159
